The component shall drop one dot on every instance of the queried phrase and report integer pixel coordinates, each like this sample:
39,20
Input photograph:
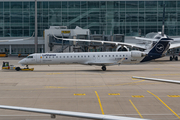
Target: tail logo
159,47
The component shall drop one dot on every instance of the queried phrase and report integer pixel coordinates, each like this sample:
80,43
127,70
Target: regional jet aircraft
98,58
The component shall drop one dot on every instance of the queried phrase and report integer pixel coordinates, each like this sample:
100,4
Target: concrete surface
74,88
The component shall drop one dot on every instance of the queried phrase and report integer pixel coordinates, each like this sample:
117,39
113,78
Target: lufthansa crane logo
159,47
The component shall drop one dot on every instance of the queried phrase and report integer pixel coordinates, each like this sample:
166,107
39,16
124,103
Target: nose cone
22,62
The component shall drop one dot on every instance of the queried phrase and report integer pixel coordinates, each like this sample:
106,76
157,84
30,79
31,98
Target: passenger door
38,58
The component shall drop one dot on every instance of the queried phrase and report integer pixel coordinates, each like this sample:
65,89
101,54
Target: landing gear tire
27,67
171,58
103,68
176,58
18,68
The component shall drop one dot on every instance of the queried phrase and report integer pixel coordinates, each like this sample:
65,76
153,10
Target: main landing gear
103,68
174,57
27,67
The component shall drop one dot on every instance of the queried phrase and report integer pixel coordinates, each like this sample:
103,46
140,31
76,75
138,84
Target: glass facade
113,17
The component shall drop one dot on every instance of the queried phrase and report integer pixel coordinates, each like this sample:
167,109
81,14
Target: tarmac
81,88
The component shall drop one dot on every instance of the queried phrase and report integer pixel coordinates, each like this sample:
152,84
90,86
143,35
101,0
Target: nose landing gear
27,67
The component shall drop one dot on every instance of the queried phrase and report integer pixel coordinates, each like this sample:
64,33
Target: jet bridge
53,38
54,43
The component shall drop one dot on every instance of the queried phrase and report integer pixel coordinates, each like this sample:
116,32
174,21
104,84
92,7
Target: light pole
36,32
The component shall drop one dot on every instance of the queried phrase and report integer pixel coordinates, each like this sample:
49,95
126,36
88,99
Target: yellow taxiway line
99,102
164,103
136,109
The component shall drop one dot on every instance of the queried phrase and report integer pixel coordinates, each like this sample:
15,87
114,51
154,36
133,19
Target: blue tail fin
159,49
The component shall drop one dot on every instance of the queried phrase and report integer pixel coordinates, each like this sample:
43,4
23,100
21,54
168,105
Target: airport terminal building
128,17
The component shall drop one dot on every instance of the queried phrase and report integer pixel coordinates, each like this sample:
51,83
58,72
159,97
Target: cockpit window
29,56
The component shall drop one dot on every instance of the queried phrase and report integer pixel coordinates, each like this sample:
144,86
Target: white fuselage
86,58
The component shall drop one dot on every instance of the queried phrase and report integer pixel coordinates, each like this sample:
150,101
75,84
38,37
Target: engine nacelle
122,48
138,54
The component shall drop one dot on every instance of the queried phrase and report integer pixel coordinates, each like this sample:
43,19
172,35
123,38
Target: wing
176,39
100,63
156,79
109,42
145,39
14,40
150,39
174,45
69,113
105,62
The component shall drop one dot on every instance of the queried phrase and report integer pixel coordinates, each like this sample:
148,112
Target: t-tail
159,49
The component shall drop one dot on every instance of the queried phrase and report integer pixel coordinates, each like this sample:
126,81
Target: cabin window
112,55
88,55
71,56
109,55
105,55
116,55
82,56
64,56
78,56
74,56
67,56
119,55
93,55
123,55
102,56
